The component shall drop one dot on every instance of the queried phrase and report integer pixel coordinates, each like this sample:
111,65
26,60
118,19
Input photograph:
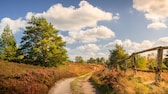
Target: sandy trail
88,88
62,87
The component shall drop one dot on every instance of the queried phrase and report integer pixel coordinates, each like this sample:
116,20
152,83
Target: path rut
62,87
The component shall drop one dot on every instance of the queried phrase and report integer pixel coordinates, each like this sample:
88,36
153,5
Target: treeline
98,60
40,44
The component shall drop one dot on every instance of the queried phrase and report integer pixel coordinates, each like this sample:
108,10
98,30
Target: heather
27,79
119,82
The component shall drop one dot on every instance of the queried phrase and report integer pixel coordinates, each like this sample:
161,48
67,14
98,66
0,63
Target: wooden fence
157,68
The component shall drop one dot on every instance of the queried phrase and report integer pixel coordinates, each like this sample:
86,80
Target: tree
165,60
8,46
98,60
79,59
91,60
141,62
102,60
41,44
117,55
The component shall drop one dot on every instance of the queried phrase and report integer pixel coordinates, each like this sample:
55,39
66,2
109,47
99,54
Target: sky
93,27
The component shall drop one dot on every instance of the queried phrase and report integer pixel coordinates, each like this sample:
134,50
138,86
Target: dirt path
88,88
62,87
78,85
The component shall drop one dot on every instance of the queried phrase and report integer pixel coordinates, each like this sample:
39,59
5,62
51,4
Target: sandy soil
88,88
62,87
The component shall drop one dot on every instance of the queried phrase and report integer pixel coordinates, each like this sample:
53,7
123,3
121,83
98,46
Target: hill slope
28,79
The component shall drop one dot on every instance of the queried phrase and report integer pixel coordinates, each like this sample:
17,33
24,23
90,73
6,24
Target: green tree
102,60
41,44
8,46
141,62
151,63
91,60
165,60
98,60
79,59
117,55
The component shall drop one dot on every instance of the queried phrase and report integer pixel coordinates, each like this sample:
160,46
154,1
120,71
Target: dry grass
27,79
120,83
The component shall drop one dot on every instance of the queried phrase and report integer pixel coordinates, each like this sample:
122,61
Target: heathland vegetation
44,56
28,79
118,80
38,62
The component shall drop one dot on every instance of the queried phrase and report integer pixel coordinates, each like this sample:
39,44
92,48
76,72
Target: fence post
158,68
134,64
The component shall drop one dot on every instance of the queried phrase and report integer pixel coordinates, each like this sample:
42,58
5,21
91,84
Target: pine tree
8,46
117,55
41,44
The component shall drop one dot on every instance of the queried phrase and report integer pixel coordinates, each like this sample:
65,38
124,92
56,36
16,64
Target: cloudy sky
92,27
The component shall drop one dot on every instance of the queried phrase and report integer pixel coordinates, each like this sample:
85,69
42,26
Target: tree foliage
165,60
79,59
91,60
41,44
117,54
97,60
8,46
141,62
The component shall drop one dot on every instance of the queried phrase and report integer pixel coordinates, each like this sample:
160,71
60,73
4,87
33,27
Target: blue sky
92,27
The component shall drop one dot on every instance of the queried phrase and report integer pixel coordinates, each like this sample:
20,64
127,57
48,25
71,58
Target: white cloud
15,25
155,10
157,25
101,54
89,48
68,39
146,44
163,41
131,46
29,15
73,19
92,50
91,35
116,17
125,43
68,49
76,20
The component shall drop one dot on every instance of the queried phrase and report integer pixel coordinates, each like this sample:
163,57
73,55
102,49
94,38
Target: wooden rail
158,68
